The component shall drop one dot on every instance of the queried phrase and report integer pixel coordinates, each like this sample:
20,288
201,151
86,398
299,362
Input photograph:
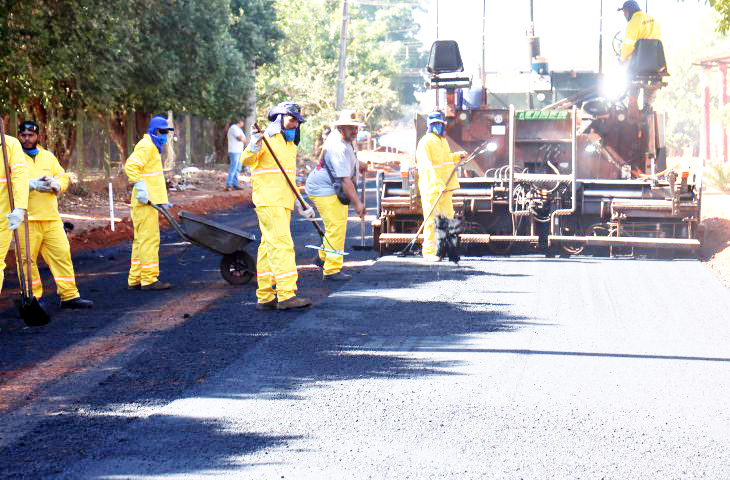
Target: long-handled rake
408,250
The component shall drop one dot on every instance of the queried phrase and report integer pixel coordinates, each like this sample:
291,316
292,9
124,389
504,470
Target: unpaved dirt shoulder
715,249
89,235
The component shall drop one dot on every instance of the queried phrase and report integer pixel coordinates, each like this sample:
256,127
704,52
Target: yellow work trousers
145,247
276,265
48,238
445,208
334,215
6,236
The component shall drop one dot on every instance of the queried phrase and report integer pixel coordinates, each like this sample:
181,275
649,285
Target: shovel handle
288,180
26,282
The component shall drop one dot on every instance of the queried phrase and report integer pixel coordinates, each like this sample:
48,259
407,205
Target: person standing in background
236,141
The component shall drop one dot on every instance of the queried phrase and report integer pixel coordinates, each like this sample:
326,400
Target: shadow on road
341,338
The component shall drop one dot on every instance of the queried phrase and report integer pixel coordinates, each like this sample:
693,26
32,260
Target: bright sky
568,29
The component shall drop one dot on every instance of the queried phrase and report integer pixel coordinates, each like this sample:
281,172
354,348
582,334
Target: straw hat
347,118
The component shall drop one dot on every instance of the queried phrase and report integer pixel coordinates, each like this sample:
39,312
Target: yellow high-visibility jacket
270,188
435,163
44,205
18,175
640,27
145,163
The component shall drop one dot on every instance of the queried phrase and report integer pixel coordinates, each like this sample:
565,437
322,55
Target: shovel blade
32,313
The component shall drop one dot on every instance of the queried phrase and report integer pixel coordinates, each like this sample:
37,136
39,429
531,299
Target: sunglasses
163,131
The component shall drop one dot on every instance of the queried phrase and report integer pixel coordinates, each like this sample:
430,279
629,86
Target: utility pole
600,41
437,19
343,58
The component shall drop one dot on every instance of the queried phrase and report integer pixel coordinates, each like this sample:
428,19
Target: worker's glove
255,144
306,210
15,218
39,185
55,185
143,195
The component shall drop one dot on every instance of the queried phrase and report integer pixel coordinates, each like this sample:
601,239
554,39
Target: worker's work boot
337,277
294,302
136,286
77,303
158,285
432,258
267,305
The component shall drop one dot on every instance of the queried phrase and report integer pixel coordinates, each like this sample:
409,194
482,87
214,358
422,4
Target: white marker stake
111,205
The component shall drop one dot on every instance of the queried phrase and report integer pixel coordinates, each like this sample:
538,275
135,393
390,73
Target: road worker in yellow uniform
10,221
144,170
337,165
47,180
276,266
640,27
435,162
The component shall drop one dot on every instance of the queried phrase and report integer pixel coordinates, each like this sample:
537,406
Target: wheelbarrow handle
168,216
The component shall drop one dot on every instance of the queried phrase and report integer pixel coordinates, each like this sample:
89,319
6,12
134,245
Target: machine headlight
463,116
615,83
498,118
492,147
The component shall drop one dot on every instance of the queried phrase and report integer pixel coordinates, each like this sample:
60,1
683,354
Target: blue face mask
438,129
290,134
159,140
31,151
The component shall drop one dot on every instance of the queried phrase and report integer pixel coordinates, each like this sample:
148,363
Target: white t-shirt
234,144
342,161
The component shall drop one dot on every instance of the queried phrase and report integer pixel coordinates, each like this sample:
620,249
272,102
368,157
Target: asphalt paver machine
561,169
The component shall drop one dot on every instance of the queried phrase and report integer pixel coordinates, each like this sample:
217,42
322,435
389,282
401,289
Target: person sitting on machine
643,52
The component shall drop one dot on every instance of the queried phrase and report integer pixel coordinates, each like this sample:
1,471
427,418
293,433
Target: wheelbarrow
237,267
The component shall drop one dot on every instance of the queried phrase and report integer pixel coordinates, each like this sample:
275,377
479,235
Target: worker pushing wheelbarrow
237,267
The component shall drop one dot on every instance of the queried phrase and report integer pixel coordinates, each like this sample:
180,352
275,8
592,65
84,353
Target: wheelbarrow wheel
238,268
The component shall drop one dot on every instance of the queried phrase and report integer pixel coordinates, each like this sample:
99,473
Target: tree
306,69
62,57
680,98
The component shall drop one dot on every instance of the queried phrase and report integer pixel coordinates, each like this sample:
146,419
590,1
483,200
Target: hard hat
159,123
286,108
347,118
435,117
630,5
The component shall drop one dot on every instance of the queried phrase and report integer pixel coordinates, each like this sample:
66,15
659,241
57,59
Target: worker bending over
435,162
276,266
47,180
10,221
642,31
337,164
144,170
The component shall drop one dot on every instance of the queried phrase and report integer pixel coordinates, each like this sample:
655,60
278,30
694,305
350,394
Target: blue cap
435,117
630,5
159,123
286,108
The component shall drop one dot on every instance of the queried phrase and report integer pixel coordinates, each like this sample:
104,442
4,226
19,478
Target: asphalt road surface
500,367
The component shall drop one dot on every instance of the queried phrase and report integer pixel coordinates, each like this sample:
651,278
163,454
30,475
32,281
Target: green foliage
681,99
59,57
717,175
306,69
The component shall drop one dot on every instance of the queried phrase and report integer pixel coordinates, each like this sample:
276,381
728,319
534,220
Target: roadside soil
86,206
715,249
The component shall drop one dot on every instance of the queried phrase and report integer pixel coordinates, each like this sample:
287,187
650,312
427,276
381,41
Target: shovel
294,189
29,308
